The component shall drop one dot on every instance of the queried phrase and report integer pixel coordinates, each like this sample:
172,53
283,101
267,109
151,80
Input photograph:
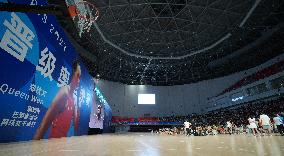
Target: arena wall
173,100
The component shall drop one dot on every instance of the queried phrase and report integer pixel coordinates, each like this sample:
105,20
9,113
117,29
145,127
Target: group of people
168,131
258,118
199,130
266,125
260,126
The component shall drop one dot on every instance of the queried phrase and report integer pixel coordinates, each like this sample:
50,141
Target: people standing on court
265,123
253,126
229,127
186,127
278,121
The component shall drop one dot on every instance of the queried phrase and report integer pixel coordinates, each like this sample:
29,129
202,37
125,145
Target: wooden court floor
146,144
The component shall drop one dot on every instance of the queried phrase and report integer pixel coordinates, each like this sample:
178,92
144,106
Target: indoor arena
142,77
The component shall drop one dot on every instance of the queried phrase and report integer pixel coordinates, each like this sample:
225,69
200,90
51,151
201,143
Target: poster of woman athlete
45,90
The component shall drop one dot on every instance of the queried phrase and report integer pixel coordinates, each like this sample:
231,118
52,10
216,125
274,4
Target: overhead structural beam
177,57
250,46
265,36
156,57
59,10
249,13
144,71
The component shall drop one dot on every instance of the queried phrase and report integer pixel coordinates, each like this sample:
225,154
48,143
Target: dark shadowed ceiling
171,42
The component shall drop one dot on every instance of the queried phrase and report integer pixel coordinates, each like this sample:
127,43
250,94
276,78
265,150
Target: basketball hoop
86,12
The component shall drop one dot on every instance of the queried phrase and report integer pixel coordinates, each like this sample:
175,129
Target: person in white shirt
265,123
186,127
253,126
279,123
229,127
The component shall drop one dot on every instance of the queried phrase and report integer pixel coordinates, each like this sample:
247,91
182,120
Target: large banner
45,90
101,115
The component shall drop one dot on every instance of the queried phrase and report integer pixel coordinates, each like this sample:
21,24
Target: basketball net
87,13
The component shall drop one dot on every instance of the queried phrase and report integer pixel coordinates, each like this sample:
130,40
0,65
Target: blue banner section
101,113
45,90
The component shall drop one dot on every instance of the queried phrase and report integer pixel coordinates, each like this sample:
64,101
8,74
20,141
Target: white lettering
18,123
17,93
21,115
24,123
44,18
32,87
33,124
33,109
46,63
12,122
33,2
26,116
22,95
4,122
238,98
29,124
27,97
17,38
34,98
64,77
1,89
15,114
43,93
52,28
11,91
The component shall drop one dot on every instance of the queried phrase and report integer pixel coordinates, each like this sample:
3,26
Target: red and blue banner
45,89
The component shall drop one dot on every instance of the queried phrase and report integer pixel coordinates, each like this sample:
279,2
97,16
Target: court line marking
63,150
134,150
